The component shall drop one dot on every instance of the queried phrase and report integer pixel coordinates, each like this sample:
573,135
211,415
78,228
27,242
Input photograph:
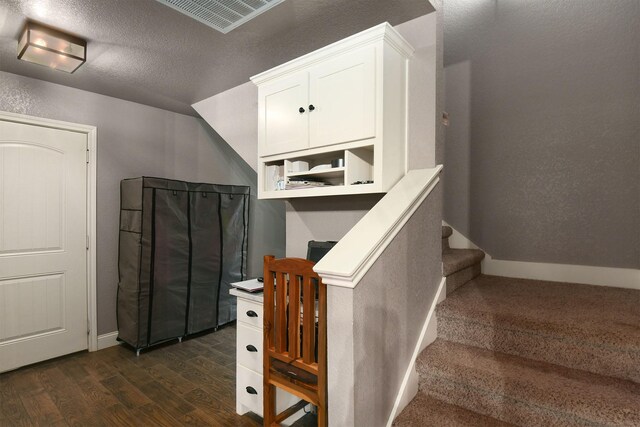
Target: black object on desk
316,250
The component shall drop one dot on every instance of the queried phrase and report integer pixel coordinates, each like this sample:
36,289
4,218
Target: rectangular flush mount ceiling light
51,48
222,15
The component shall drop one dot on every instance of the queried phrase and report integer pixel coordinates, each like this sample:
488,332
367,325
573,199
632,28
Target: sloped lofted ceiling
146,52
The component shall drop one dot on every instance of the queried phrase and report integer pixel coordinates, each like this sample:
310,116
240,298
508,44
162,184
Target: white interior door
43,229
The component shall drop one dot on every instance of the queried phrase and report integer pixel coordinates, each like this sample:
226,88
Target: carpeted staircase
458,265
528,353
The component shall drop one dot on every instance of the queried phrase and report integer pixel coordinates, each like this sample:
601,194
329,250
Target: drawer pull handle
252,313
251,390
251,348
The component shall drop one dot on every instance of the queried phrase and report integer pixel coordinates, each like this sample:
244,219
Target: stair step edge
454,370
568,331
454,260
461,277
425,410
571,351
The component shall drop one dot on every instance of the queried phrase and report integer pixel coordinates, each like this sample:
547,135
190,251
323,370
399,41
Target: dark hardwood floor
176,384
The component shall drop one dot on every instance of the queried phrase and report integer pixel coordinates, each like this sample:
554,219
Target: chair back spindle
294,336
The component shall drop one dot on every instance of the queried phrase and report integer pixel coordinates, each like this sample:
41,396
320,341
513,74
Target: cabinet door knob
301,110
251,390
252,313
251,348
311,107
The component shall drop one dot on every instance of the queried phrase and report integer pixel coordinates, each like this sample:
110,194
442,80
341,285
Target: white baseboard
431,333
409,386
108,340
599,276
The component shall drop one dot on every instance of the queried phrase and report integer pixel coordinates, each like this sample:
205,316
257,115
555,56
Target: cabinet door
343,92
282,127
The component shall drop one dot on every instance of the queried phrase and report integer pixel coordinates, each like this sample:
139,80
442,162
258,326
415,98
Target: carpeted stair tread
459,278
426,411
454,260
446,231
525,392
593,328
607,314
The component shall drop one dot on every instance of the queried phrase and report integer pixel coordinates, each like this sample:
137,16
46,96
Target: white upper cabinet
329,103
347,103
283,122
343,99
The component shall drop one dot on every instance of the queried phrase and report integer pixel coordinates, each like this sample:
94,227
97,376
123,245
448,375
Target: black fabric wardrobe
181,245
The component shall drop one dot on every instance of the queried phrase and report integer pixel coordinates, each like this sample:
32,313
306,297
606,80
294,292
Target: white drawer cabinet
249,347
345,101
249,358
249,381
250,311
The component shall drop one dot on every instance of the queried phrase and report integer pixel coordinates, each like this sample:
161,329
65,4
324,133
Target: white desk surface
249,296
257,297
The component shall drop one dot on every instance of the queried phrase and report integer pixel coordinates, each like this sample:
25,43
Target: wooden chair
295,359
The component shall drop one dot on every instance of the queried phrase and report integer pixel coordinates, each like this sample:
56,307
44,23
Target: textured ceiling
143,51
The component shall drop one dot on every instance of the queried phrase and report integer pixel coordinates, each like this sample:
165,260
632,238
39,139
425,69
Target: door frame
92,156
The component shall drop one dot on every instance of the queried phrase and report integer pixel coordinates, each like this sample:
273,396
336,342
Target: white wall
234,115
136,140
424,121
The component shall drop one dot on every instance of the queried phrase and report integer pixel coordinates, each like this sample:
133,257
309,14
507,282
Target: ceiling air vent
223,15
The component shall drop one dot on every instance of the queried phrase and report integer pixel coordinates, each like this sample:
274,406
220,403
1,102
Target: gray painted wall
323,218
135,140
373,329
542,158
